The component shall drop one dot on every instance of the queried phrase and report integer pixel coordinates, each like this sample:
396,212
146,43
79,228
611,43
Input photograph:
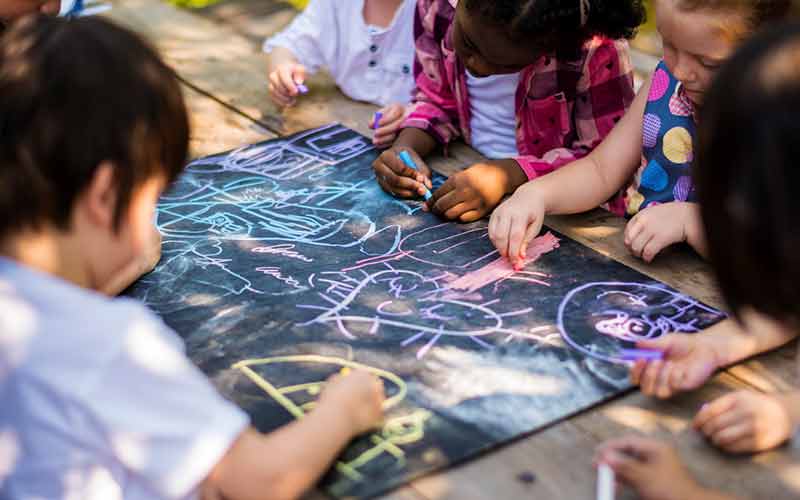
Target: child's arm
655,228
137,268
748,421
297,51
690,360
433,114
285,463
653,469
577,187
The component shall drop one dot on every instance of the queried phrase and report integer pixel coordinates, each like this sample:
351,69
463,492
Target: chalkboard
284,262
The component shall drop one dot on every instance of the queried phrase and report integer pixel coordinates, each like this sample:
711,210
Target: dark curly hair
555,25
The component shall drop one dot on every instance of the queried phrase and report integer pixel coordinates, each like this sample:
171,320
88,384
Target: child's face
487,50
696,43
12,9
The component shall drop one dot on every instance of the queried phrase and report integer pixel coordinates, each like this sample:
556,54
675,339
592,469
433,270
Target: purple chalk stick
376,121
301,88
637,354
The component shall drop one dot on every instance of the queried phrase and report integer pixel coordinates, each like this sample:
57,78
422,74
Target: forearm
575,188
279,56
732,342
417,140
285,463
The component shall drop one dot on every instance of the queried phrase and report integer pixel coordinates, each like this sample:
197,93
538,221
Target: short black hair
555,25
74,94
747,174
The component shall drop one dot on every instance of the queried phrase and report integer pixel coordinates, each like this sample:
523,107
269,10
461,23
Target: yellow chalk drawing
396,431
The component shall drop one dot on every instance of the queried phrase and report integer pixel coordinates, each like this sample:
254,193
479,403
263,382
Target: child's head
92,127
747,175
699,35
13,9
505,36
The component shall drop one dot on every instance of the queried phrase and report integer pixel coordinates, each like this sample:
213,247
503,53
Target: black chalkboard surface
284,262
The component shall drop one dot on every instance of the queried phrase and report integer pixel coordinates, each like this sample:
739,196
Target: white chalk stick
605,482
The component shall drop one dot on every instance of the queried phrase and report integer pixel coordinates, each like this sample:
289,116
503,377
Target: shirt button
373,63
406,69
373,48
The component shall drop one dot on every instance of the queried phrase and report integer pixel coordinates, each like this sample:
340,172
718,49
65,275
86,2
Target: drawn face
600,318
292,385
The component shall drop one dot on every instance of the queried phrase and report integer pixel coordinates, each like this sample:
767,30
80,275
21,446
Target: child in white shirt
368,47
99,401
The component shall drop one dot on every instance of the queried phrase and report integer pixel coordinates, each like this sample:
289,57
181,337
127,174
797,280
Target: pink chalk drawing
501,269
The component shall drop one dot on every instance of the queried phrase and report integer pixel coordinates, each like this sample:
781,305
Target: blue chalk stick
406,158
637,354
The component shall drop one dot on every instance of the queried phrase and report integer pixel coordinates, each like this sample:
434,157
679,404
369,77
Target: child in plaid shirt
533,85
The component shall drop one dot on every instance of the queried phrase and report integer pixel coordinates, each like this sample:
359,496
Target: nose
684,69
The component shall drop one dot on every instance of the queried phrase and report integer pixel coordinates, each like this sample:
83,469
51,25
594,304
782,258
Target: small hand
688,362
515,223
745,422
653,469
397,178
470,194
283,83
359,393
389,125
657,227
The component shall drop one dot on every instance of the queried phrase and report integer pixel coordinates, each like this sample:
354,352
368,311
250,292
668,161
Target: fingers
499,235
652,248
277,93
516,236
286,78
711,411
396,178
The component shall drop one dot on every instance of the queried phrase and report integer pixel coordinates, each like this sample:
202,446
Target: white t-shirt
99,401
368,63
493,125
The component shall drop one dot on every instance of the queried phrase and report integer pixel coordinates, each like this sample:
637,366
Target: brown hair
74,94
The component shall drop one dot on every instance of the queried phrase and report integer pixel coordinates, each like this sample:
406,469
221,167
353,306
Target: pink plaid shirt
564,107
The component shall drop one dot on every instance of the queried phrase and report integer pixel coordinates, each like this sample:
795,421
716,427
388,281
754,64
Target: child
98,398
698,36
746,179
530,84
368,47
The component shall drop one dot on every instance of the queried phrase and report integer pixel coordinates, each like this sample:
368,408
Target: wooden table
216,53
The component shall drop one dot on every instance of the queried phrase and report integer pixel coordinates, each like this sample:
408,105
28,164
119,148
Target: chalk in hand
301,88
377,120
637,354
406,158
605,482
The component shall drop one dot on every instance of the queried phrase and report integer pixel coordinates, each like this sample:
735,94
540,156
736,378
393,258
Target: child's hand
470,194
688,362
388,125
398,179
655,228
360,394
745,422
283,83
515,223
142,265
650,467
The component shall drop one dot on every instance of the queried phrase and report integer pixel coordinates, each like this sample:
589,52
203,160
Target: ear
99,200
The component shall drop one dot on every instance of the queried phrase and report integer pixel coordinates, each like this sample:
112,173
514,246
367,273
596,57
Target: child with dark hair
747,177
530,84
653,144
98,398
